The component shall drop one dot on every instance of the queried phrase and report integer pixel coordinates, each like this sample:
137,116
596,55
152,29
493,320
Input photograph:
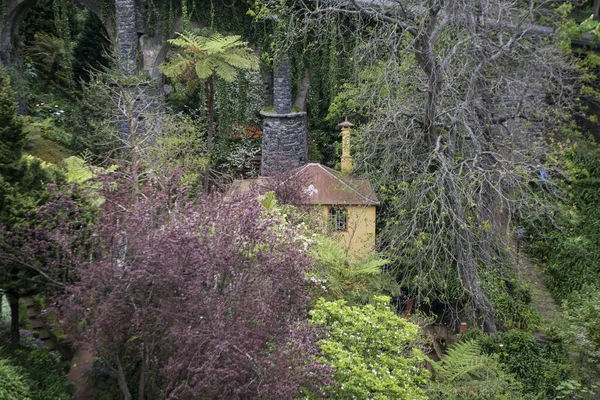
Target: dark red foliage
200,301
44,250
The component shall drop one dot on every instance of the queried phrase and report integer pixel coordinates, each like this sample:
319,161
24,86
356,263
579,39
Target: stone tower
284,143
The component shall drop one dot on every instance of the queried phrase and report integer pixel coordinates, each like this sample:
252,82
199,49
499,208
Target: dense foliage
196,300
374,352
468,116
40,369
12,384
467,372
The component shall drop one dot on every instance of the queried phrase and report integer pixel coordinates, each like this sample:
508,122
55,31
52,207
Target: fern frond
225,71
217,54
464,361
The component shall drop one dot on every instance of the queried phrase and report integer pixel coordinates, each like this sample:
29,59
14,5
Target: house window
338,218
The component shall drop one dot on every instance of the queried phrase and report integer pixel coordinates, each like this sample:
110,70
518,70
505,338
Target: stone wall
138,112
10,23
284,144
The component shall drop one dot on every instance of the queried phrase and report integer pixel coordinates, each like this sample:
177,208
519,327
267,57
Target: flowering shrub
373,351
50,121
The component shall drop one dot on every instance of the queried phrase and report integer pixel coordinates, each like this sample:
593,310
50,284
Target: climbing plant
61,19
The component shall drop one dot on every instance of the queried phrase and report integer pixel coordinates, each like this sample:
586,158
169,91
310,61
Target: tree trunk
143,373
209,88
432,69
122,381
13,302
50,76
596,8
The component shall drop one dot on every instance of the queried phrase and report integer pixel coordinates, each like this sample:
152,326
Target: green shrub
511,299
581,329
43,369
468,373
12,384
373,351
541,367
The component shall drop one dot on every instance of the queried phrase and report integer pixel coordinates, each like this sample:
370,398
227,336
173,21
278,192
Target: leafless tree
120,116
460,96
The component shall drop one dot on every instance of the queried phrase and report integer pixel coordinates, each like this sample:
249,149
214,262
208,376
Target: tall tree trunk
53,70
122,381
13,302
209,88
143,373
596,8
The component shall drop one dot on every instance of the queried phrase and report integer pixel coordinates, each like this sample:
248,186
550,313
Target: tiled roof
322,185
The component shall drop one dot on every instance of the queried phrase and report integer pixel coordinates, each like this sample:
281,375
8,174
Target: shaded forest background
476,122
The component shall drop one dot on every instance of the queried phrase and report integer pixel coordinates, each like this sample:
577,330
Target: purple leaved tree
196,301
41,254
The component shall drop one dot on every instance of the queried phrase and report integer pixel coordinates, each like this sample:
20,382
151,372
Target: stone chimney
346,156
284,143
282,85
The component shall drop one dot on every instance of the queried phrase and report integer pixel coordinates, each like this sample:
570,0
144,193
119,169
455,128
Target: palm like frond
348,277
47,48
465,361
206,56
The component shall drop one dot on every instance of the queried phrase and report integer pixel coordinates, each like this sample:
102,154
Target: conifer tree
22,188
12,137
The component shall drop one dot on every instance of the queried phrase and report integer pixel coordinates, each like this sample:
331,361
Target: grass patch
48,150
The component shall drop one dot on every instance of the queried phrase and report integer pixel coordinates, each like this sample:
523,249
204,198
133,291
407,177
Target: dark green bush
567,238
12,383
540,366
43,369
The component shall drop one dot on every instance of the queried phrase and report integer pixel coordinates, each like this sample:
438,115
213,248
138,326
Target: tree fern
465,361
49,51
204,57
354,279
466,373
217,54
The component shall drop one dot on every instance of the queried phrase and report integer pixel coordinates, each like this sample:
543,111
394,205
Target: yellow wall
359,239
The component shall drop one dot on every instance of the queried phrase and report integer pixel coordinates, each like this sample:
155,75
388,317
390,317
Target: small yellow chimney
346,156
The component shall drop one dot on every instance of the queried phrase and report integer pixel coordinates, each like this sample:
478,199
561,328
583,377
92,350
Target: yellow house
348,203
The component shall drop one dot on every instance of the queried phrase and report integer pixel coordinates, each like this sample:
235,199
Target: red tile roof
322,185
